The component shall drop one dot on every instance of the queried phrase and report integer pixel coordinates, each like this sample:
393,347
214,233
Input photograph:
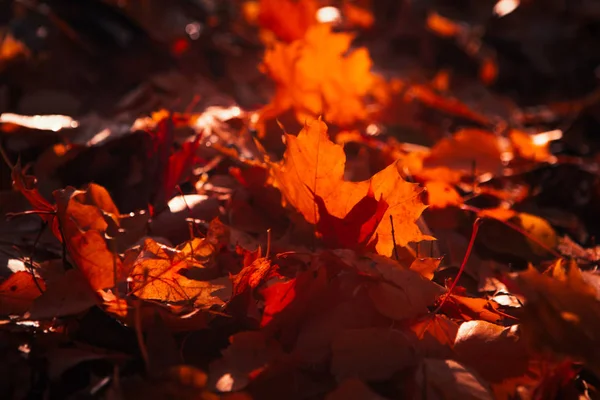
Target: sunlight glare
505,7
328,15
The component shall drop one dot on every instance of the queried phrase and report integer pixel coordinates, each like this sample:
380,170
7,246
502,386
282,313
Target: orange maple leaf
314,166
319,75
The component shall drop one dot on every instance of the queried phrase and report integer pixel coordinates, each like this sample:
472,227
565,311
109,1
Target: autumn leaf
426,266
450,380
397,292
435,335
18,292
314,166
319,75
514,365
251,276
68,294
27,185
247,355
353,389
371,354
560,315
287,19
356,229
469,308
157,275
83,227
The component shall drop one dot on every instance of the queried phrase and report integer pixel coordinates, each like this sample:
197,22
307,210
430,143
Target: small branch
476,226
394,238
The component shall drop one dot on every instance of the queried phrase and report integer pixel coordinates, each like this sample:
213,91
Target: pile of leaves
362,232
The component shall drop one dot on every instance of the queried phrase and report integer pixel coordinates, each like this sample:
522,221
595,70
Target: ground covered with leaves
299,199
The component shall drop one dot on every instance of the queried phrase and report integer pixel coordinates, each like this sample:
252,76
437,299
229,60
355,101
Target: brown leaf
247,354
67,295
396,292
449,380
560,315
370,354
353,389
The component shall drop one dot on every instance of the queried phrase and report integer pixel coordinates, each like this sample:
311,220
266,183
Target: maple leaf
318,75
83,227
27,185
370,354
450,380
356,229
287,19
314,166
514,365
18,292
156,275
396,292
561,314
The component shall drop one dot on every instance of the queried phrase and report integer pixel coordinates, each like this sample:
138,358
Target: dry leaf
83,227
560,315
69,294
319,75
397,292
287,19
312,164
157,274
449,380
18,292
371,354
353,389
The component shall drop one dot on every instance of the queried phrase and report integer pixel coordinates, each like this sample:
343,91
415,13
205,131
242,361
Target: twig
476,226
394,239
30,263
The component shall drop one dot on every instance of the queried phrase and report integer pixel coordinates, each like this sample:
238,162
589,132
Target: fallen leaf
479,341
356,229
319,75
353,389
560,315
18,292
69,294
397,292
156,274
247,355
442,194
450,380
370,354
426,266
314,166
468,308
83,227
435,336
287,19
27,185
467,150
251,276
